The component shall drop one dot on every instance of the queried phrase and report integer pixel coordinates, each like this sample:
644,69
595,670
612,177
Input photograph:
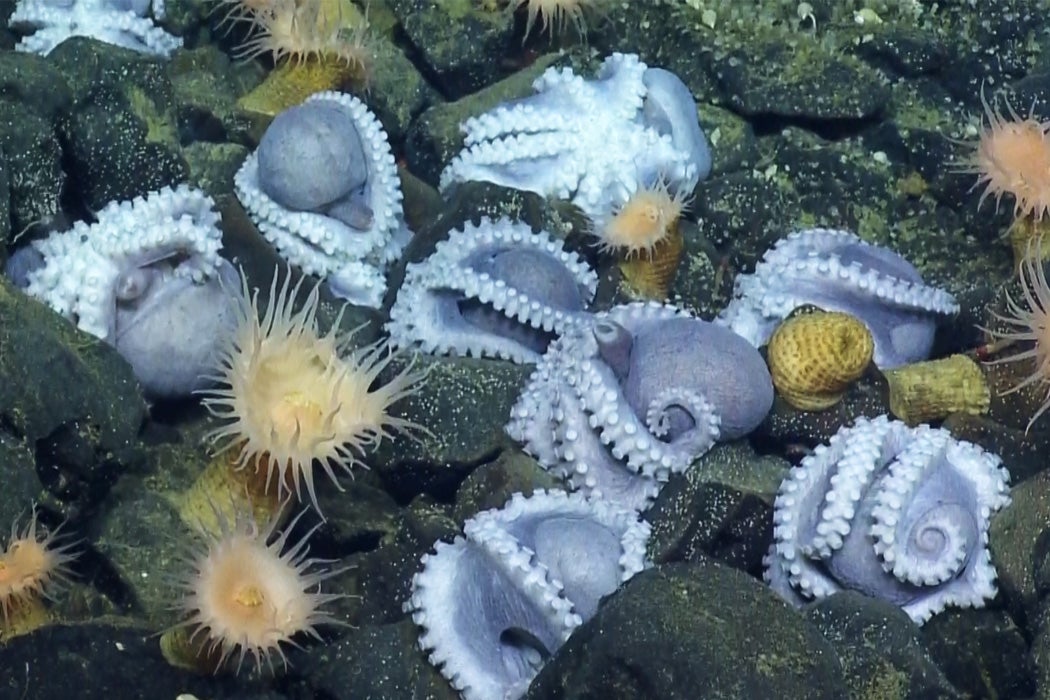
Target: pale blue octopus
147,278
619,404
895,512
323,189
492,289
494,604
837,271
124,23
593,142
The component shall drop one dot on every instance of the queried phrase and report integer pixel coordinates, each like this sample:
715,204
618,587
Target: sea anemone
1028,323
1012,157
242,10
293,398
553,15
247,595
304,30
35,561
646,219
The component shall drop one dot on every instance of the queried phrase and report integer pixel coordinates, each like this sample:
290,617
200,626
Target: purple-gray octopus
147,278
619,404
496,603
324,190
492,289
895,512
837,271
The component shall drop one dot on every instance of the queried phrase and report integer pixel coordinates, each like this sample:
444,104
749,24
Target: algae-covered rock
71,398
881,649
121,134
684,631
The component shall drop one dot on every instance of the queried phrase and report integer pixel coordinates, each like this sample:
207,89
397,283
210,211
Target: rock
31,176
801,81
456,41
69,397
681,630
464,404
982,652
101,661
375,663
121,133
881,649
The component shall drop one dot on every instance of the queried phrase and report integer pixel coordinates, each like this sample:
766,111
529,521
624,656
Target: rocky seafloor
814,120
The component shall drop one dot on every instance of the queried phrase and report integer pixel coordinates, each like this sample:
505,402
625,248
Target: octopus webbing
837,271
496,603
593,142
894,512
619,404
323,188
492,289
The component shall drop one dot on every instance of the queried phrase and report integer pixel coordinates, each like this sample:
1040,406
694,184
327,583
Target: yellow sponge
814,357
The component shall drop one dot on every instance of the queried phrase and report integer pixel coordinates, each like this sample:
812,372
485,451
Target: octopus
618,405
593,142
837,271
492,289
894,512
145,277
495,603
323,188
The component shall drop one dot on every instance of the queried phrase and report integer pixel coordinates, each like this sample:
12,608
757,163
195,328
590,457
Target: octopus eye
133,284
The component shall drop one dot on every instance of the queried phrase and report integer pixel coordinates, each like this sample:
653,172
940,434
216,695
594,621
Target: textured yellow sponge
814,357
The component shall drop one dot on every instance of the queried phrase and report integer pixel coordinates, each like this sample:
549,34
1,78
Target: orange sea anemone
247,595
293,398
645,220
1028,323
1012,157
34,562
